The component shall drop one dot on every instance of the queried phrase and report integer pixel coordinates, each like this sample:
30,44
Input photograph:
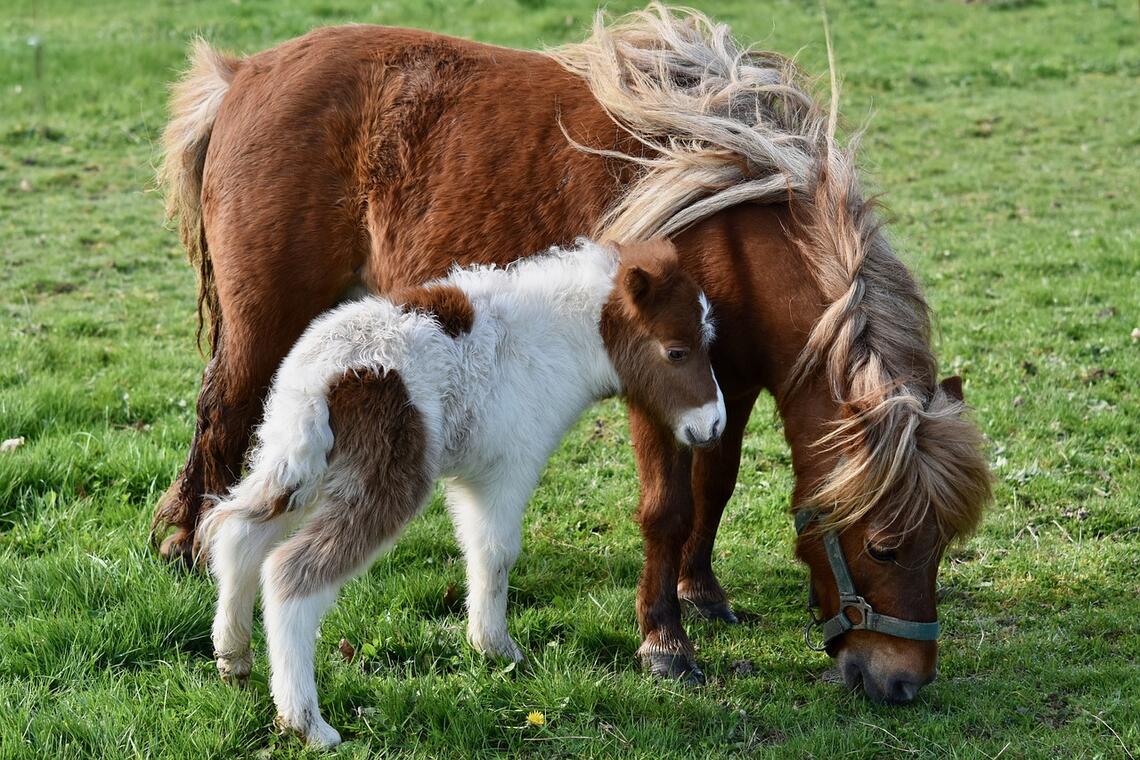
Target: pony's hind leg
379,476
238,546
273,279
488,525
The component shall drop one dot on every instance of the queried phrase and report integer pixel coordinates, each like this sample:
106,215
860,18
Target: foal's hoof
317,734
721,611
235,670
673,667
496,647
178,548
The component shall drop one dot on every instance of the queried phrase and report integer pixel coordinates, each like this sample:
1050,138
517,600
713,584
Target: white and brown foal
475,378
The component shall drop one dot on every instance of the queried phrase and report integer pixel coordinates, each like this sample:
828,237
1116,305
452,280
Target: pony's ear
953,387
637,283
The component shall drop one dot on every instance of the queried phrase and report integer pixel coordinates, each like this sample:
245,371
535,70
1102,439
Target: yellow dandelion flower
535,718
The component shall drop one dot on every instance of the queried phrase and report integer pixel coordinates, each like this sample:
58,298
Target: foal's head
657,328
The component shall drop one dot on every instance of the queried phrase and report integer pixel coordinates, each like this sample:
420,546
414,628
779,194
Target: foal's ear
953,387
637,283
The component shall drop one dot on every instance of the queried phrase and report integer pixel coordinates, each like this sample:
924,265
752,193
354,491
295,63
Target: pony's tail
194,105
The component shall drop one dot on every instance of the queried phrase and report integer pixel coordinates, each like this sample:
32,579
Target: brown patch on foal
376,482
447,303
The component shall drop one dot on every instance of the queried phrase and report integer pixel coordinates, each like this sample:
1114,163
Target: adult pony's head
657,328
888,468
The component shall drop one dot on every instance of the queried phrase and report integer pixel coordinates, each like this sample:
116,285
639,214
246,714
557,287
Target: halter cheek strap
849,599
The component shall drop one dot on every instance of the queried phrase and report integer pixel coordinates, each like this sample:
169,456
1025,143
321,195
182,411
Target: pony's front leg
665,514
714,479
488,525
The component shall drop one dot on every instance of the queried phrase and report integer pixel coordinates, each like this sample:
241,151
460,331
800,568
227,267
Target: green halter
849,599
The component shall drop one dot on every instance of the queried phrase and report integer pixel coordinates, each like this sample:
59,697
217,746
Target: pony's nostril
715,430
903,690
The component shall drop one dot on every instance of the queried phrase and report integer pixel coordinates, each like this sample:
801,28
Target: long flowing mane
723,124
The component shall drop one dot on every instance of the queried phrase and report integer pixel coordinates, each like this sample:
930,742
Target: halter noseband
849,599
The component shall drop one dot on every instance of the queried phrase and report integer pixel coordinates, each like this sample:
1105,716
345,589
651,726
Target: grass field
1006,136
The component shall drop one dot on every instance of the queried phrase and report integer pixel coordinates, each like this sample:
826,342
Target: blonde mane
723,124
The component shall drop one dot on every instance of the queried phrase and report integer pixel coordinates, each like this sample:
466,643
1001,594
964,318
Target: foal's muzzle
694,439
703,426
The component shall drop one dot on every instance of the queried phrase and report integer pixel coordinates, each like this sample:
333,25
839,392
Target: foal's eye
880,554
676,355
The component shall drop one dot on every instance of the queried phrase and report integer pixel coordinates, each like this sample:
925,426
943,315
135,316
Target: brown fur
654,309
447,303
410,164
376,483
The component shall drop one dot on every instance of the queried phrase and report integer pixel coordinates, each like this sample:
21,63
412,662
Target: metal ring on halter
814,623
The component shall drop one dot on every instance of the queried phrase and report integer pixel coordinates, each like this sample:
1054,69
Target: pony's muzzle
895,688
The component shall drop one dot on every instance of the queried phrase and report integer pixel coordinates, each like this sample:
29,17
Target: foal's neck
551,304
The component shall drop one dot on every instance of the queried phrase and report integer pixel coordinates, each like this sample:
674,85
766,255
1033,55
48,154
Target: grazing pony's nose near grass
898,688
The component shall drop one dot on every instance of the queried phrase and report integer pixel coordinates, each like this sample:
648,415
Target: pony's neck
747,263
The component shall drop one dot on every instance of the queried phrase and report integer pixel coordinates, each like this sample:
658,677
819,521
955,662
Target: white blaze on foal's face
658,328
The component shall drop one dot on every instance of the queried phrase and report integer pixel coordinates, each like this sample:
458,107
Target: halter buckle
856,603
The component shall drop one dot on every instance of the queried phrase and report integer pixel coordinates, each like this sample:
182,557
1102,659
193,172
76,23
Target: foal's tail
194,105
289,462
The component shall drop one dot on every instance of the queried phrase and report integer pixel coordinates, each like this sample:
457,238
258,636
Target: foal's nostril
690,436
715,430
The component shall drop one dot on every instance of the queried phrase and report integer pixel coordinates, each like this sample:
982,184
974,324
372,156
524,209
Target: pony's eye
880,554
676,354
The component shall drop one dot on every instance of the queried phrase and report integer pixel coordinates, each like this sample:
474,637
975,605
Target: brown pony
374,158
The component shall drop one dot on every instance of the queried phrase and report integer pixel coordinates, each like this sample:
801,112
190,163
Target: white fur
708,323
703,425
495,402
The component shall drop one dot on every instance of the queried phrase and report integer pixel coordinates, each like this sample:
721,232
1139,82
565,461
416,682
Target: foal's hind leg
714,479
378,478
237,550
301,581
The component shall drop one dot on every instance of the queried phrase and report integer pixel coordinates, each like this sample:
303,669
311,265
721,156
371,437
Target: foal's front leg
488,525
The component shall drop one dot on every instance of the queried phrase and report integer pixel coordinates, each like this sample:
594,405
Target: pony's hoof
317,734
178,548
673,667
720,611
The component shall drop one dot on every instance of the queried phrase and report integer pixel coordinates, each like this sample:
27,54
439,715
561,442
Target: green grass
1007,137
